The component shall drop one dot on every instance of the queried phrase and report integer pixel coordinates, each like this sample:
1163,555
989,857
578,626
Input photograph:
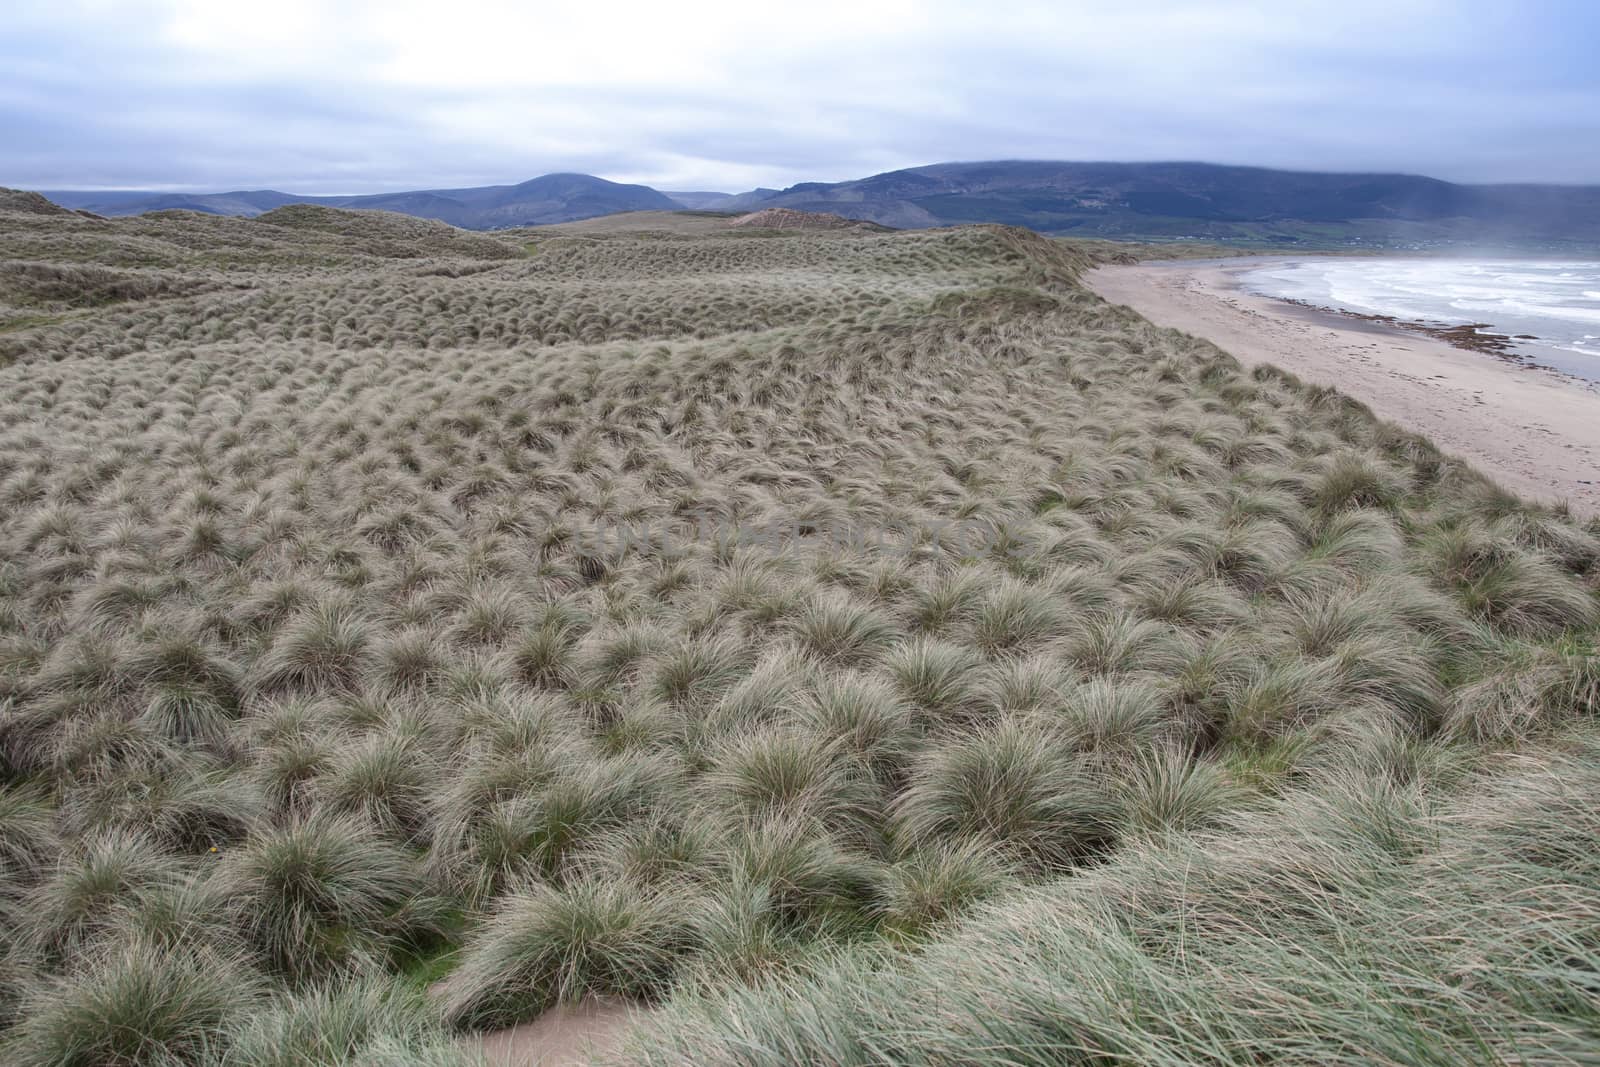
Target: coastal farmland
845,647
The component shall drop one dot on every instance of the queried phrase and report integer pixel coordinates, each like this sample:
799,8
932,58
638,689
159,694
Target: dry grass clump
1351,921
641,613
134,1005
1519,689
367,1021
1017,787
545,944
324,893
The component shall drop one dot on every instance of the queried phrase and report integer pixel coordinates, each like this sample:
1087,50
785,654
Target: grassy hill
679,222
853,647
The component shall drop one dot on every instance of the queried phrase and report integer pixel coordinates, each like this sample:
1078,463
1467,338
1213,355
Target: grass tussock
1336,925
322,894
545,944
133,1005
871,647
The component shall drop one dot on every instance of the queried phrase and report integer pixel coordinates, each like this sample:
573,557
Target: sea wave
1548,305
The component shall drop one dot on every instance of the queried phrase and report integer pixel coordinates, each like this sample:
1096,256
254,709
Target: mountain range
551,198
1198,200
1117,200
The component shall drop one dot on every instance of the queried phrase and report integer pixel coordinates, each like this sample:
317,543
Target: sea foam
1548,307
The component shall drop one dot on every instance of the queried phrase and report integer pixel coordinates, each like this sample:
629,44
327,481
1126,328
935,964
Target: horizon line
195,190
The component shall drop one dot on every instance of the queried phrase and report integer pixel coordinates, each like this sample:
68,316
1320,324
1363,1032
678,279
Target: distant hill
551,198
1148,201
1199,200
699,201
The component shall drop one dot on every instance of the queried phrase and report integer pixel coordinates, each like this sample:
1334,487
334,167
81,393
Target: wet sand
1533,431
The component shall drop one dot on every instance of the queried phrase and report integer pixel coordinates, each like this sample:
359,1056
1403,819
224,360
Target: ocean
1549,309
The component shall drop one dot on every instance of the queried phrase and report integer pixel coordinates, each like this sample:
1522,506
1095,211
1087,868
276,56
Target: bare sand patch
564,1036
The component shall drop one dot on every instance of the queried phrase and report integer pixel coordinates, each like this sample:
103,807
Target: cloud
360,95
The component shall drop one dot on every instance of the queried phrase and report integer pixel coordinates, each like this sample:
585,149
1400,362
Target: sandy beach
1534,431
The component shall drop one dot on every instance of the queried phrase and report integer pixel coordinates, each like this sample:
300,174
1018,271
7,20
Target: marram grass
869,648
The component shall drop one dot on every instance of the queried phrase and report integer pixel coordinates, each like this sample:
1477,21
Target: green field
853,648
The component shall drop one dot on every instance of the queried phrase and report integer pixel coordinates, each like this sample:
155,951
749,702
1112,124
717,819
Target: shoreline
1471,336
1531,428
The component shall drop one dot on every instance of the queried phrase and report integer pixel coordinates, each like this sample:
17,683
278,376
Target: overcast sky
368,95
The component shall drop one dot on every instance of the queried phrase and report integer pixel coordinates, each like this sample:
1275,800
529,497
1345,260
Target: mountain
551,198
699,201
1201,200
1151,201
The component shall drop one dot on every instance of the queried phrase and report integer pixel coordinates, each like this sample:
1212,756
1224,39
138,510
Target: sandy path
564,1036
1533,431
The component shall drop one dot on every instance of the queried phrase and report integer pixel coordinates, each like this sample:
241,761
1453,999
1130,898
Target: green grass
1106,702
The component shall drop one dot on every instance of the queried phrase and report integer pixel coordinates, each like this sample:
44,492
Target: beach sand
1533,431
